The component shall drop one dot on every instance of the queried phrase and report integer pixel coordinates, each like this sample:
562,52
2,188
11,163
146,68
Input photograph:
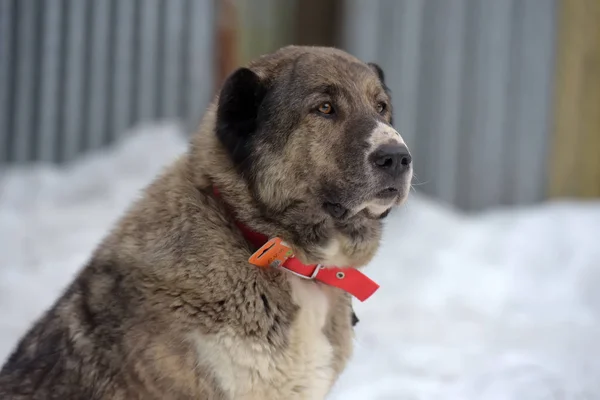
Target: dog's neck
314,236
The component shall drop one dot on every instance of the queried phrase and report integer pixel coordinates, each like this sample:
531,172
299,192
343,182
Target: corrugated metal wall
472,85
472,80
75,74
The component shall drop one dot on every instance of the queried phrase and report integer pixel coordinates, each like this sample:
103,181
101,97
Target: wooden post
574,160
226,43
318,22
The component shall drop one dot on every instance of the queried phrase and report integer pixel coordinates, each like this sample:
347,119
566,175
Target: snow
498,305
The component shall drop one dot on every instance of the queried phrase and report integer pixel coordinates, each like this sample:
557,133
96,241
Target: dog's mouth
387,193
378,201
340,212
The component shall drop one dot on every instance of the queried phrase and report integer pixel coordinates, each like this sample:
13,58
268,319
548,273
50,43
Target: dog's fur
169,308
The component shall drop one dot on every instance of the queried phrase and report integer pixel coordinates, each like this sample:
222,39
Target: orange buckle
272,254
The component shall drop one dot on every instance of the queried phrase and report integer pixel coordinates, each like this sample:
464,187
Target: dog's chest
302,371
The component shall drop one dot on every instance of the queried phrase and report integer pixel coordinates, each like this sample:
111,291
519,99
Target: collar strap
276,253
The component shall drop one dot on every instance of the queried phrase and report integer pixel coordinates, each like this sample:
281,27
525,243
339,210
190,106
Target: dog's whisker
420,183
416,178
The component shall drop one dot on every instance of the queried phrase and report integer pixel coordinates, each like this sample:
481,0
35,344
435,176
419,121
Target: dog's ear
377,69
381,75
239,101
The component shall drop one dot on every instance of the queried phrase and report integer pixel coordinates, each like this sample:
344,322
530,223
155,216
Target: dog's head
315,125
310,128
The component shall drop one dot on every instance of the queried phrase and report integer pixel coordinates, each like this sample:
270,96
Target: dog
297,153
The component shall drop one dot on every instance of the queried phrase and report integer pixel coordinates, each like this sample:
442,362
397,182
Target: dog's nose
394,159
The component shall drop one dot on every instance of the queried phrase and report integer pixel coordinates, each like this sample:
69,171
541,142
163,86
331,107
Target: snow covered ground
501,305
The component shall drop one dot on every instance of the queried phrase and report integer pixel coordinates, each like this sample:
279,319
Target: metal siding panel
172,56
471,83
468,101
385,43
159,59
362,42
448,65
427,100
514,103
75,71
123,76
147,94
447,127
63,78
28,25
407,30
487,148
110,65
396,46
532,128
38,65
46,146
391,60
7,24
96,128
184,61
201,49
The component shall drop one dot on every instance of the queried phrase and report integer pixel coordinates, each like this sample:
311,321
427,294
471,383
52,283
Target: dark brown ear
379,72
237,112
377,69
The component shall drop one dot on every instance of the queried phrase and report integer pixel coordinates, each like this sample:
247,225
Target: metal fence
74,74
472,82
472,79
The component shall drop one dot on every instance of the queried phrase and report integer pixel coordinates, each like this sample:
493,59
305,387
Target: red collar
348,279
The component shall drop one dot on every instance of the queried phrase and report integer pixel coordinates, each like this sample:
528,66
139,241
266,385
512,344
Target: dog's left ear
377,69
237,112
379,72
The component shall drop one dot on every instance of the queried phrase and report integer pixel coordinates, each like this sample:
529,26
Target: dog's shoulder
167,295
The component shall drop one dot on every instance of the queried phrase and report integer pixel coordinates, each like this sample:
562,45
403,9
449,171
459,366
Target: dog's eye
381,107
326,108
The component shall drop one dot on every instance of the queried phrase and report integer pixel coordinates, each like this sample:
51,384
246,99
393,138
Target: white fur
383,134
375,208
333,255
252,371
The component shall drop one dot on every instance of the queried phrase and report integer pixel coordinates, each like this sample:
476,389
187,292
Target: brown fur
168,303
